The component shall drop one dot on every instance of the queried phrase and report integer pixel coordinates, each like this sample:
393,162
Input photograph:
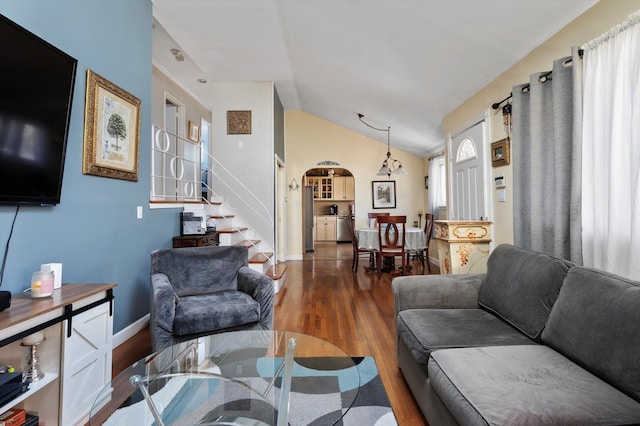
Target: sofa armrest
436,291
260,287
163,303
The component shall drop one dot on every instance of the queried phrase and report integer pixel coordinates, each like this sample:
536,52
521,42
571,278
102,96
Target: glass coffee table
239,378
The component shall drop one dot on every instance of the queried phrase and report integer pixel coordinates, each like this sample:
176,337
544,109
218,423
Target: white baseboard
294,257
130,331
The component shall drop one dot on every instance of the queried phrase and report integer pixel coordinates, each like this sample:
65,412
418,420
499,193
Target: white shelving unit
74,372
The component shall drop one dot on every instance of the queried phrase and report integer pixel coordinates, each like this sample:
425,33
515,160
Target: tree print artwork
117,128
116,146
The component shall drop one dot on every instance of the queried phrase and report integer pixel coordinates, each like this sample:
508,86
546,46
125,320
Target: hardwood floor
323,298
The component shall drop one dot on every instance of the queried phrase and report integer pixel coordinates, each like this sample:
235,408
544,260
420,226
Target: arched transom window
466,151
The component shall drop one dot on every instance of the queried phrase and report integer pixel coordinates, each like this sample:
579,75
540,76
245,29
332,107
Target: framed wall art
383,194
194,132
111,130
500,155
238,122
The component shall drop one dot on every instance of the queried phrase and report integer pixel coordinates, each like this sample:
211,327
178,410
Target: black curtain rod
497,104
542,79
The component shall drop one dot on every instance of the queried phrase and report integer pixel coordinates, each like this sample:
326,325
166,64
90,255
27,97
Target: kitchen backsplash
321,208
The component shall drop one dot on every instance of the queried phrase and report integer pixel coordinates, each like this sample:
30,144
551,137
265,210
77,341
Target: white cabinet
325,228
344,188
75,356
322,187
86,362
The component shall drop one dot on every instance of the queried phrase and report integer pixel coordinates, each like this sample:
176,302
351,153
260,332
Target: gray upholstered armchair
204,290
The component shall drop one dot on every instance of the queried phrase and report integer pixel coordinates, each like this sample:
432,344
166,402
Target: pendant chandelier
389,165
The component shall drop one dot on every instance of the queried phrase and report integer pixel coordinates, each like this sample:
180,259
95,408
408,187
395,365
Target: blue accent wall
93,232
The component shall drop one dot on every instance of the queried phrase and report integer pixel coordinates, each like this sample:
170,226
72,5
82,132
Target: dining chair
373,223
391,238
359,252
423,254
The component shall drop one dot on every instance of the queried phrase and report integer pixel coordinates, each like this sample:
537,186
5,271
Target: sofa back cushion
595,323
521,287
200,270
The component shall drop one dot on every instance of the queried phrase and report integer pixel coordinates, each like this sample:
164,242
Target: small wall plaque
500,153
238,122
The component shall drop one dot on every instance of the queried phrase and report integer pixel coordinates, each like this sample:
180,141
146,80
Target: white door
467,177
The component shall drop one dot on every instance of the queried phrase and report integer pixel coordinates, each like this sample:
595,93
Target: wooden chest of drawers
209,239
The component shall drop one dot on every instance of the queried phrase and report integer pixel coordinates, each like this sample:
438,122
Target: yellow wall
309,139
600,18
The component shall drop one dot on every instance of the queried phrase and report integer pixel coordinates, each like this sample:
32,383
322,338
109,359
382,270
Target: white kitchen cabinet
344,188
322,187
75,356
325,228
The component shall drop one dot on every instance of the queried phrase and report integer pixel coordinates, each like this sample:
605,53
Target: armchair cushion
233,308
216,270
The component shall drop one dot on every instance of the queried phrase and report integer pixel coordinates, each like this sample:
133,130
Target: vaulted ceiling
401,63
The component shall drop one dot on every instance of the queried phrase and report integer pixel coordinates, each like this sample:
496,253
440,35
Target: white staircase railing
178,176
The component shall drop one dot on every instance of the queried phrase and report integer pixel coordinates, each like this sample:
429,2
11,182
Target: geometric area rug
371,406
186,401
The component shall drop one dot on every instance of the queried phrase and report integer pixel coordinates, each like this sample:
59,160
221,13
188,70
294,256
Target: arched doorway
327,207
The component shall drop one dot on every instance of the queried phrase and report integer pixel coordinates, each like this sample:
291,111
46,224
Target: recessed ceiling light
201,80
177,54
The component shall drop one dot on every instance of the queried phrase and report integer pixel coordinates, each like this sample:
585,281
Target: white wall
249,157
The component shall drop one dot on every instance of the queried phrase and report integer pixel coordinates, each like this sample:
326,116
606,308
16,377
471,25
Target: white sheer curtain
437,195
611,151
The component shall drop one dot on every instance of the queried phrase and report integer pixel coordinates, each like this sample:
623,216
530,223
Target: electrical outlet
139,212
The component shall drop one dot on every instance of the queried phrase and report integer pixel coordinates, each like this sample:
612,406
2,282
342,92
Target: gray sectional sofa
534,341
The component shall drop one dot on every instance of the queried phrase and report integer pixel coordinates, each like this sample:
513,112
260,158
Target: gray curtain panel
546,161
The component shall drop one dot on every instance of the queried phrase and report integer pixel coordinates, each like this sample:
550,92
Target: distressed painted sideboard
463,245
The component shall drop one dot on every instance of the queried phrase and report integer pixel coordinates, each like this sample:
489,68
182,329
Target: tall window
437,185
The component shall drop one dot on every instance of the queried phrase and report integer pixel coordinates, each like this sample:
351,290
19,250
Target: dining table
415,240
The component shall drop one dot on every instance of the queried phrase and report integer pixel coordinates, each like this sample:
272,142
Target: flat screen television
36,90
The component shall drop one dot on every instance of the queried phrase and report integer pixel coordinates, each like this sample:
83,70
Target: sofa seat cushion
525,385
426,330
234,308
595,323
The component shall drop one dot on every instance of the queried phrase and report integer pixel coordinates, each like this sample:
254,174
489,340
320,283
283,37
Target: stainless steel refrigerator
307,207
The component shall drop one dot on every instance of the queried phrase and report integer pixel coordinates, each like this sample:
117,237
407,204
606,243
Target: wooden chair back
375,216
428,227
391,238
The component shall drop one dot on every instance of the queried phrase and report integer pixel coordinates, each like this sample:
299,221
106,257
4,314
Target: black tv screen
36,90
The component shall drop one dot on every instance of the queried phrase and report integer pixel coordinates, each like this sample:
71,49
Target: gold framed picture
238,122
194,132
500,155
111,130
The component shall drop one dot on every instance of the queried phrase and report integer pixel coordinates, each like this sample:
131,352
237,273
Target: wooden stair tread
276,271
231,230
248,243
261,258
216,216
